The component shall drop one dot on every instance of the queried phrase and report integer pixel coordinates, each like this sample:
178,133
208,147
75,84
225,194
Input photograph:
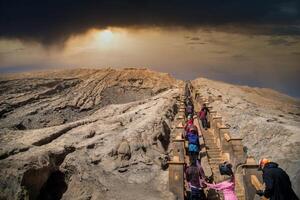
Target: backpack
187,127
193,148
193,138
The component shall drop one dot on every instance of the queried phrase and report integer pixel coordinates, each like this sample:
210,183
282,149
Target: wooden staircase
217,146
213,152
215,157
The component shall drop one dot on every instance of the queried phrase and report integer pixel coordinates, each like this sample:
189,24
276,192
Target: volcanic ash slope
268,121
86,134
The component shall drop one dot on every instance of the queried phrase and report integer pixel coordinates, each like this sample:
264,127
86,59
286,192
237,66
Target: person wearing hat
227,186
277,182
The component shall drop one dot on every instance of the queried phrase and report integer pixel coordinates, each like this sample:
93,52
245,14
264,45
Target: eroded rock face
30,101
268,122
124,151
105,134
112,148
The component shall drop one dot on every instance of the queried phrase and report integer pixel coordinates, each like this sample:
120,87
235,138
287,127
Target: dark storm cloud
196,43
219,52
240,57
50,21
195,38
281,41
296,53
12,51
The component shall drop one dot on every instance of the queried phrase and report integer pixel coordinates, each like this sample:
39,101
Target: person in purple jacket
194,176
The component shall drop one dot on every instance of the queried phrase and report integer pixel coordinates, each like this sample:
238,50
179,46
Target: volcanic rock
59,127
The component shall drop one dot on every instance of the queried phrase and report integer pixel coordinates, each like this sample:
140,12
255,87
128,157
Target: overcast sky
255,42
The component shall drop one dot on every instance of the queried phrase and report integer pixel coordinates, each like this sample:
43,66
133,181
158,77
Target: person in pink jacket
226,186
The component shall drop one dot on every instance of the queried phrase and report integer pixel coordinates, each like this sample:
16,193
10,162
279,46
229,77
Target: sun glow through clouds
105,36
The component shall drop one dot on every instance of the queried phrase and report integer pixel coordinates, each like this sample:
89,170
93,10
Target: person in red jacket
189,123
203,116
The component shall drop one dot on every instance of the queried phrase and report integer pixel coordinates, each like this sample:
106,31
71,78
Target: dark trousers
204,123
193,155
196,194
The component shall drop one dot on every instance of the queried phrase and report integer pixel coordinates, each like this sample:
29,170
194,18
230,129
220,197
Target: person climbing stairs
210,153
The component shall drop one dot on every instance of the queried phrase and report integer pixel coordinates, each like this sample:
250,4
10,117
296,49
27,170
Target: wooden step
208,135
209,142
213,148
216,171
216,162
213,151
214,167
215,159
214,155
212,144
209,139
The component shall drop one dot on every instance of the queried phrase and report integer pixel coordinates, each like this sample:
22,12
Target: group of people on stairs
277,182
194,173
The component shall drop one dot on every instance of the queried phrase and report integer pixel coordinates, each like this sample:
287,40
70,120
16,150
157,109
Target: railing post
176,165
212,113
178,148
238,151
220,140
210,99
176,178
214,122
251,178
226,146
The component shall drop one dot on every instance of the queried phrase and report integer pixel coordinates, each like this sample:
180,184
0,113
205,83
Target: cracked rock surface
86,134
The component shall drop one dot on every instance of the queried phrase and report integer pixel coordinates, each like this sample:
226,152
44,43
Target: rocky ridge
115,146
105,133
45,99
268,121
